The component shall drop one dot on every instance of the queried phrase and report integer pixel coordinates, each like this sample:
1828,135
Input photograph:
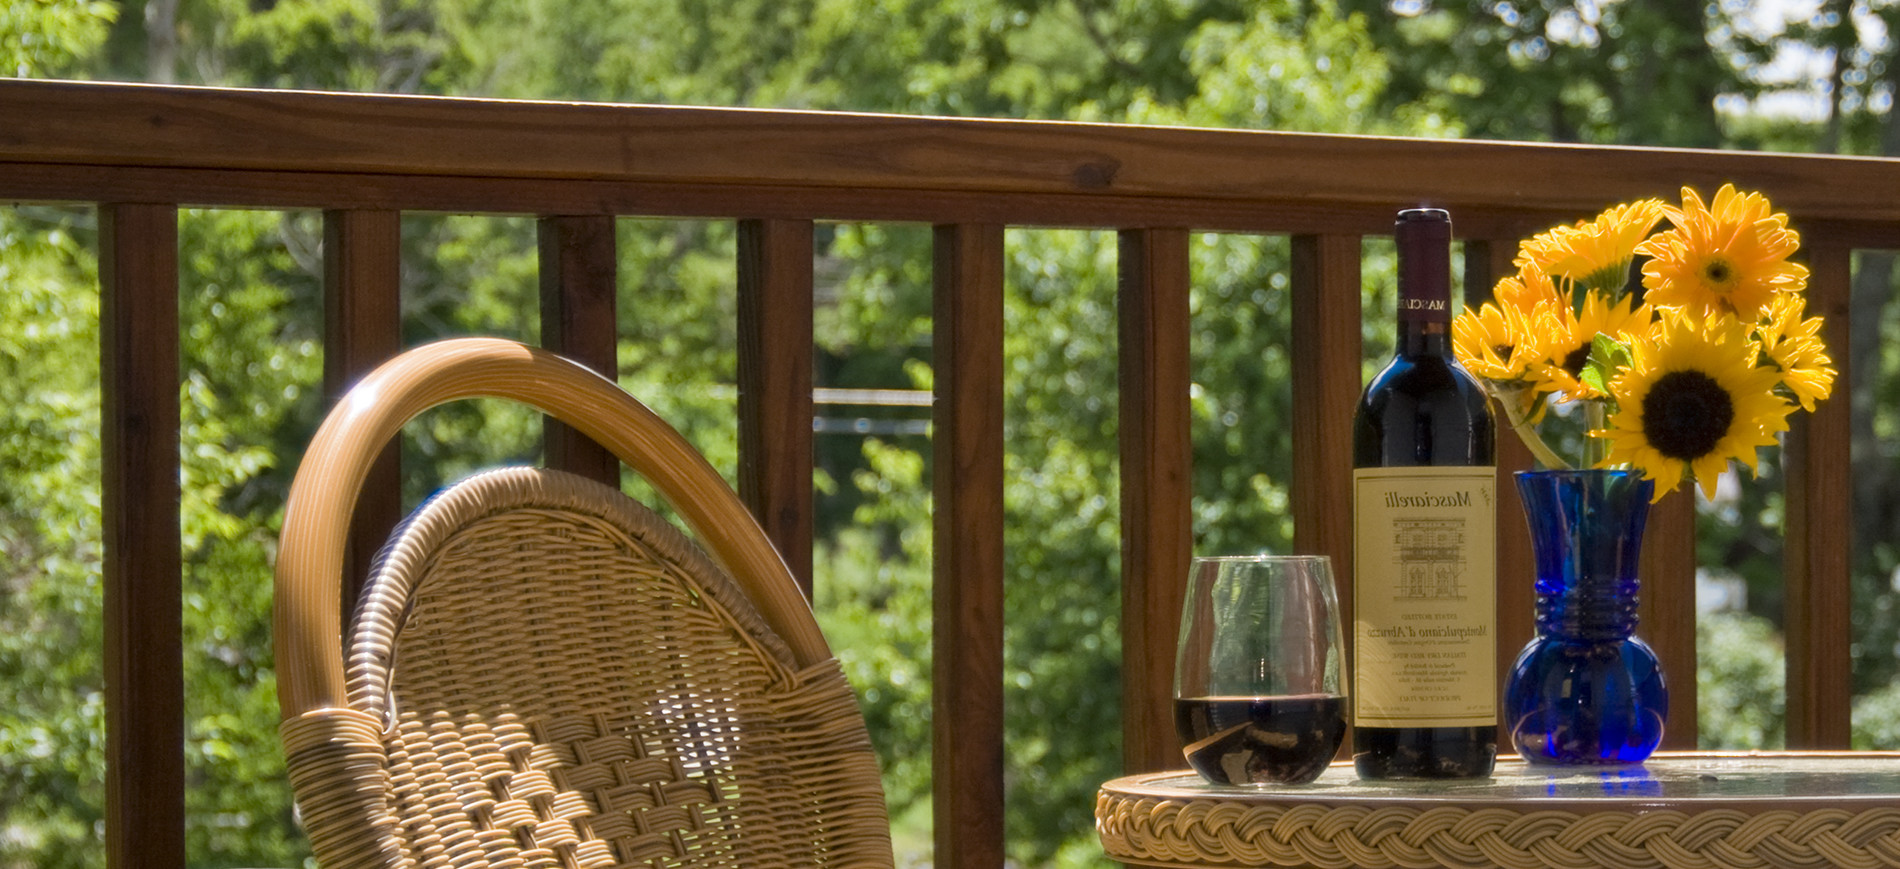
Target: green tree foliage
1740,682
252,358
52,741
1565,70
47,38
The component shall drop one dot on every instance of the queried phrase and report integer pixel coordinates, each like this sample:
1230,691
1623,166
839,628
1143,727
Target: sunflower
1795,347
1495,342
1499,344
1571,333
1594,254
1528,289
1691,401
1728,258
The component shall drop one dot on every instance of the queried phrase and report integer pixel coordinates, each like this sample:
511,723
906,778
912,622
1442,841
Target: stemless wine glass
1259,692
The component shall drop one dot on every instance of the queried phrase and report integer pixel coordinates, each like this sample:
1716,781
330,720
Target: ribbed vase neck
1589,610
1586,534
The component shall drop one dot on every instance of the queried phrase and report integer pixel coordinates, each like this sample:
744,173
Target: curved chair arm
308,621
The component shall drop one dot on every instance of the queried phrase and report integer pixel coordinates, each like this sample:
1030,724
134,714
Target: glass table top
1752,781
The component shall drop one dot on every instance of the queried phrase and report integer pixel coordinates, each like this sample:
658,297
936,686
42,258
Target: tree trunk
1876,498
1831,132
161,45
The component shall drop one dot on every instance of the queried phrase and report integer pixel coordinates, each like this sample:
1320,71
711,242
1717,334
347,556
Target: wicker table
1678,810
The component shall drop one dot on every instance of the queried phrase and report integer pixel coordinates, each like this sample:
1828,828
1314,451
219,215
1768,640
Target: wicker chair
540,672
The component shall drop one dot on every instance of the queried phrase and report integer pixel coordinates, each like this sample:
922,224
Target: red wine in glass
1260,740
1259,687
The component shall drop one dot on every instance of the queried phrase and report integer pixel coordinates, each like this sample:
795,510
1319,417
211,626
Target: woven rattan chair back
543,673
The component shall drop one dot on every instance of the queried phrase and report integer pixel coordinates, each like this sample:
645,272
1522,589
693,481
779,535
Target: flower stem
1595,450
1512,400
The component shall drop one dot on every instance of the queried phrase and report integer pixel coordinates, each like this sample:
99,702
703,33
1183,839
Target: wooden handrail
95,137
141,151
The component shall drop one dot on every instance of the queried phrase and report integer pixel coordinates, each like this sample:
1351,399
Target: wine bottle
1424,540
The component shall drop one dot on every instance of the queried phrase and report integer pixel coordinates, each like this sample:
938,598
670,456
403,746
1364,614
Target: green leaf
1607,357
1592,377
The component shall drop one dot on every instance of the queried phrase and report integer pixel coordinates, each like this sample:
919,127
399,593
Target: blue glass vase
1586,691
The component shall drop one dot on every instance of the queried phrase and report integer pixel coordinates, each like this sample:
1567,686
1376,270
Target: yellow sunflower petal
1692,402
1628,447
1794,345
1729,257
1496,343
1527,290
1707,473
1595,254
1570,334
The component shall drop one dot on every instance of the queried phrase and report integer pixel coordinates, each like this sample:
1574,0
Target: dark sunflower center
1718,271
1685,414
1503,351
1573,363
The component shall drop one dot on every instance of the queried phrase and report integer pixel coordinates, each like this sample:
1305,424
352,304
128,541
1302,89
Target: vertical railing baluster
362,327
1157,486
775,384
578,287
1487,261
1327,380
1819,529
1666,610
144,654
967,486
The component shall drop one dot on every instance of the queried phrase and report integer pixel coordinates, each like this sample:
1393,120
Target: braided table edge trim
1215,833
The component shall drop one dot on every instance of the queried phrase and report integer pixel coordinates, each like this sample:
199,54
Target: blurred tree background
1802,76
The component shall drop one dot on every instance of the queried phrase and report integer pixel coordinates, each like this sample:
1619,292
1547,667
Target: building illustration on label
1431,558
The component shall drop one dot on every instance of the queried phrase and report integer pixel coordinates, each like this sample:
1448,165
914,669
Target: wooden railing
139,153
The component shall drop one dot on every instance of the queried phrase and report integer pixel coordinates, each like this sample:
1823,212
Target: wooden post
578,286
1157,453
1666,612
775,383
967,625
1820,531
1326,355
362,328
144,613
1485,263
